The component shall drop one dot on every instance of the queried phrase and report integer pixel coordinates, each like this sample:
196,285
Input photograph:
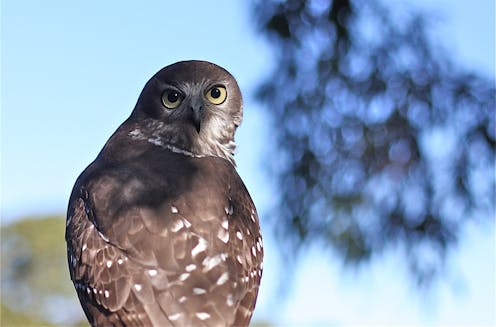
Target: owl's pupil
215,93
173,97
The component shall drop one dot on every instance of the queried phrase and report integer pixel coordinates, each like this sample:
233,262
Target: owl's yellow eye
217,94
172,99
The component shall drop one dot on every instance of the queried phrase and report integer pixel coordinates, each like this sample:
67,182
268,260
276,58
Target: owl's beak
197,116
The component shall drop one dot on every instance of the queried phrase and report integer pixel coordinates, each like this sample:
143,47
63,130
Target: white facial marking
137,287
152,272
223,278
199,291
190,267
202,315
239,235
201,246
174,209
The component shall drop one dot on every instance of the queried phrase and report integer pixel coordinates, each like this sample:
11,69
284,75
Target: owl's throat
186,143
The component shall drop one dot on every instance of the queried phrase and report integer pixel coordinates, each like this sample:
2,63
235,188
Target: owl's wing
142,255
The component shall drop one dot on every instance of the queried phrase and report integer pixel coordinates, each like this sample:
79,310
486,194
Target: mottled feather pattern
164,234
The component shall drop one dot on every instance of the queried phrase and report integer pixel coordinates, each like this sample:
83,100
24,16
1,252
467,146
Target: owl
161,230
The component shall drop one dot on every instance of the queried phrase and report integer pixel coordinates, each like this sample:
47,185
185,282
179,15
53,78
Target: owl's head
191,106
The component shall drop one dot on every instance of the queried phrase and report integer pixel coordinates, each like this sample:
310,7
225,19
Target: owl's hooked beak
196,108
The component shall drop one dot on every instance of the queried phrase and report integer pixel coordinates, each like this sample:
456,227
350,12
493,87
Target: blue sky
71,73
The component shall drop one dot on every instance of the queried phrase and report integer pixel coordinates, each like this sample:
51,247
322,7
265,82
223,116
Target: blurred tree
36,287
382,140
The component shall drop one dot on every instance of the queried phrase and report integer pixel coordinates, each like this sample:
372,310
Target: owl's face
194,106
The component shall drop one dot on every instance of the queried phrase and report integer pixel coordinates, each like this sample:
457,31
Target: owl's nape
161,230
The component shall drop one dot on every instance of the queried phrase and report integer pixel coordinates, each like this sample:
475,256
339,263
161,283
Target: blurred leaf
384,141
10,318
35,277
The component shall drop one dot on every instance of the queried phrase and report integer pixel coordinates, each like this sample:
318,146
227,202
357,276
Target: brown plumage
160,228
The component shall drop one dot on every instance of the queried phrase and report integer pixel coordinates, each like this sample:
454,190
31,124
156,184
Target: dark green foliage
383,140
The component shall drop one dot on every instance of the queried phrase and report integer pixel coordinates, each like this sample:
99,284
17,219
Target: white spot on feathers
152,272
225,224
137,287
177,225
183,277
223,278
239,235
223,235
105,238
201,246
210,262
174,316
202,315
190,267
240,260
174,209
229,300
186,223
199,291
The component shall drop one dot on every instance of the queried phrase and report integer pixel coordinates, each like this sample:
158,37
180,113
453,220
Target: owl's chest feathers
156,177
